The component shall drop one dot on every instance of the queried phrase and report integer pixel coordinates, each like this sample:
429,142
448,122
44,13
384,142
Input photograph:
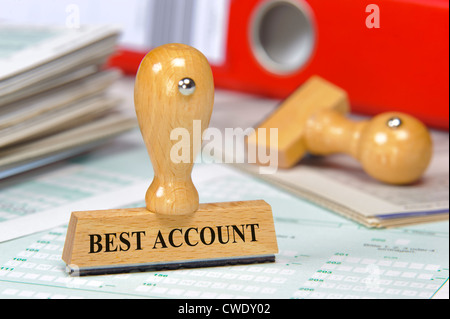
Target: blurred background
389,55
144,23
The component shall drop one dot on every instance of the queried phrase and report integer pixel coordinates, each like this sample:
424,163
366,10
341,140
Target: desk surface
321,254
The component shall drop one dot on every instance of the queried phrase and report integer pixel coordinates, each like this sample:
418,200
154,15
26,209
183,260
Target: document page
321,255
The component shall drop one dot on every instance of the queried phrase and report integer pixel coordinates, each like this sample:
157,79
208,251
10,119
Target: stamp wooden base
135,236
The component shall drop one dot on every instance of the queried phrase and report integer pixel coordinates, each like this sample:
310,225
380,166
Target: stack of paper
53,94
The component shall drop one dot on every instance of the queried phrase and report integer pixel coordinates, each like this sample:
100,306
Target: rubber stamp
392,147
174,87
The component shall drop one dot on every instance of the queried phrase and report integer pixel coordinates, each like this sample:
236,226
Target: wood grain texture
217,230
291,116
161,108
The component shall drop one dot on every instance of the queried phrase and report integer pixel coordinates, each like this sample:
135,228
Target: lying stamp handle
392,147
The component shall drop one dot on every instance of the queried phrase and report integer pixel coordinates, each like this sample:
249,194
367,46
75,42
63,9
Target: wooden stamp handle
395,148
174,90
